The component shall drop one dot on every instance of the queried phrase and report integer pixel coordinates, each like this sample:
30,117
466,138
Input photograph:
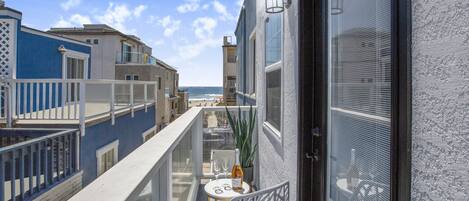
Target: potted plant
243,129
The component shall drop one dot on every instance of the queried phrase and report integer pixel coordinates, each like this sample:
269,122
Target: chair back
369,191
221,155
280,192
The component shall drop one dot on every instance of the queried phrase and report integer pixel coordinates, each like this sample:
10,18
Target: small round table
221,189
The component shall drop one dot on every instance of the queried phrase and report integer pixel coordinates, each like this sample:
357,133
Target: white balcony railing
170,165
72,100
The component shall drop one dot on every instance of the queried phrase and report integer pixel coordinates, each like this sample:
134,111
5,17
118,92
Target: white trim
75,55
99,153
13,47
48,35
252,58
12,14
148,132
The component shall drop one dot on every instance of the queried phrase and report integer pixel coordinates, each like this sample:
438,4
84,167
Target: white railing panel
167,167
57,99
140,166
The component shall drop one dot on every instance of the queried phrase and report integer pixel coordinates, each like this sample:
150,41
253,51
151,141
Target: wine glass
225,168
216,169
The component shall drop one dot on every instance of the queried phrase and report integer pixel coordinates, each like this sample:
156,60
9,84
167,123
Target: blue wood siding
38,56
127,130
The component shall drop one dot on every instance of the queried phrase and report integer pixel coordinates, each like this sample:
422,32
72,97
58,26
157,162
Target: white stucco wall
440,120
278,157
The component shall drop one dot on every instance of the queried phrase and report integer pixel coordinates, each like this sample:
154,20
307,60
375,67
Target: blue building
246,43
87,126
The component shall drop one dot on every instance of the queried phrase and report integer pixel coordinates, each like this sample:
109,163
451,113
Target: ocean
203,93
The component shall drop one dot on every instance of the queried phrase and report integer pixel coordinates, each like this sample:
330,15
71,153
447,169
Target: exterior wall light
62,49
337,7
277,6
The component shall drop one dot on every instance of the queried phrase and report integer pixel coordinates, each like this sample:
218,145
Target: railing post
8,108
77,152
132,98
82,107
197,145
145,97
113,117
13,102
161,184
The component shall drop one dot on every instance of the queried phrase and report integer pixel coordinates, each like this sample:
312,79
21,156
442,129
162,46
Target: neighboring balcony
34,161
173,164
43,101
135,58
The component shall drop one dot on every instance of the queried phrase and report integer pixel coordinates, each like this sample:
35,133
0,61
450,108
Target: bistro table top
221,189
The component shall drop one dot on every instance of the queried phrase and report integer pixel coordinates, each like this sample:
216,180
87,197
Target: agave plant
243,130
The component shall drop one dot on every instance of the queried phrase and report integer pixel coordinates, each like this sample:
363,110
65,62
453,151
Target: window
75,68
273,39
273,71
231,55
95,41
273,98
131,77
147,135
359,94
107,157
252,64
159,83
88,41
126,52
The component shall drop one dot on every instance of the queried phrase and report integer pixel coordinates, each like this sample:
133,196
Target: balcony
60,101
135,58
33,161
171,165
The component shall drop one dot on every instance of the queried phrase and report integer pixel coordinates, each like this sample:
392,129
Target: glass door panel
359,108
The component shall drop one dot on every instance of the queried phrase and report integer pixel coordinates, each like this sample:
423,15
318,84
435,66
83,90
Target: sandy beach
203,103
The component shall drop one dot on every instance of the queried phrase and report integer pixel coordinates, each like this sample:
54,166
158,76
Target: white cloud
188,6
75,20
240,3
117,15
204,27
221,9
191,51
70,4
170,26
206,6
139,9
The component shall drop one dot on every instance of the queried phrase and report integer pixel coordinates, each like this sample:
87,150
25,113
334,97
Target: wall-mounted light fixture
277,6
62,49
337,7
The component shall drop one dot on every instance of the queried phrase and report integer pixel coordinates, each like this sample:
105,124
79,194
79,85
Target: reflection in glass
360,105
182,176
273,103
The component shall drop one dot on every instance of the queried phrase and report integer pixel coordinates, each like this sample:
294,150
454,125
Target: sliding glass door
359,100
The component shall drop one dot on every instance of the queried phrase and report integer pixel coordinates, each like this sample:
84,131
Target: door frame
312,116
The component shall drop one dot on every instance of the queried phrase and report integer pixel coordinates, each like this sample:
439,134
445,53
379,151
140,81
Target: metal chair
370,191
280,192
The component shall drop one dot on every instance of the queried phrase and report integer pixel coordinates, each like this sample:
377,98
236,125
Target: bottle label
236,182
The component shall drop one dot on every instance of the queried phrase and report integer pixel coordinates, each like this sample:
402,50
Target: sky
187,34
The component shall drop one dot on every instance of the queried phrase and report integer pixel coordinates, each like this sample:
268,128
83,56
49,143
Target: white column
82,107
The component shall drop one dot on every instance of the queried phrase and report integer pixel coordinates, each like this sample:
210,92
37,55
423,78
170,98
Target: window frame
151,131
101,151
70,54
268,127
